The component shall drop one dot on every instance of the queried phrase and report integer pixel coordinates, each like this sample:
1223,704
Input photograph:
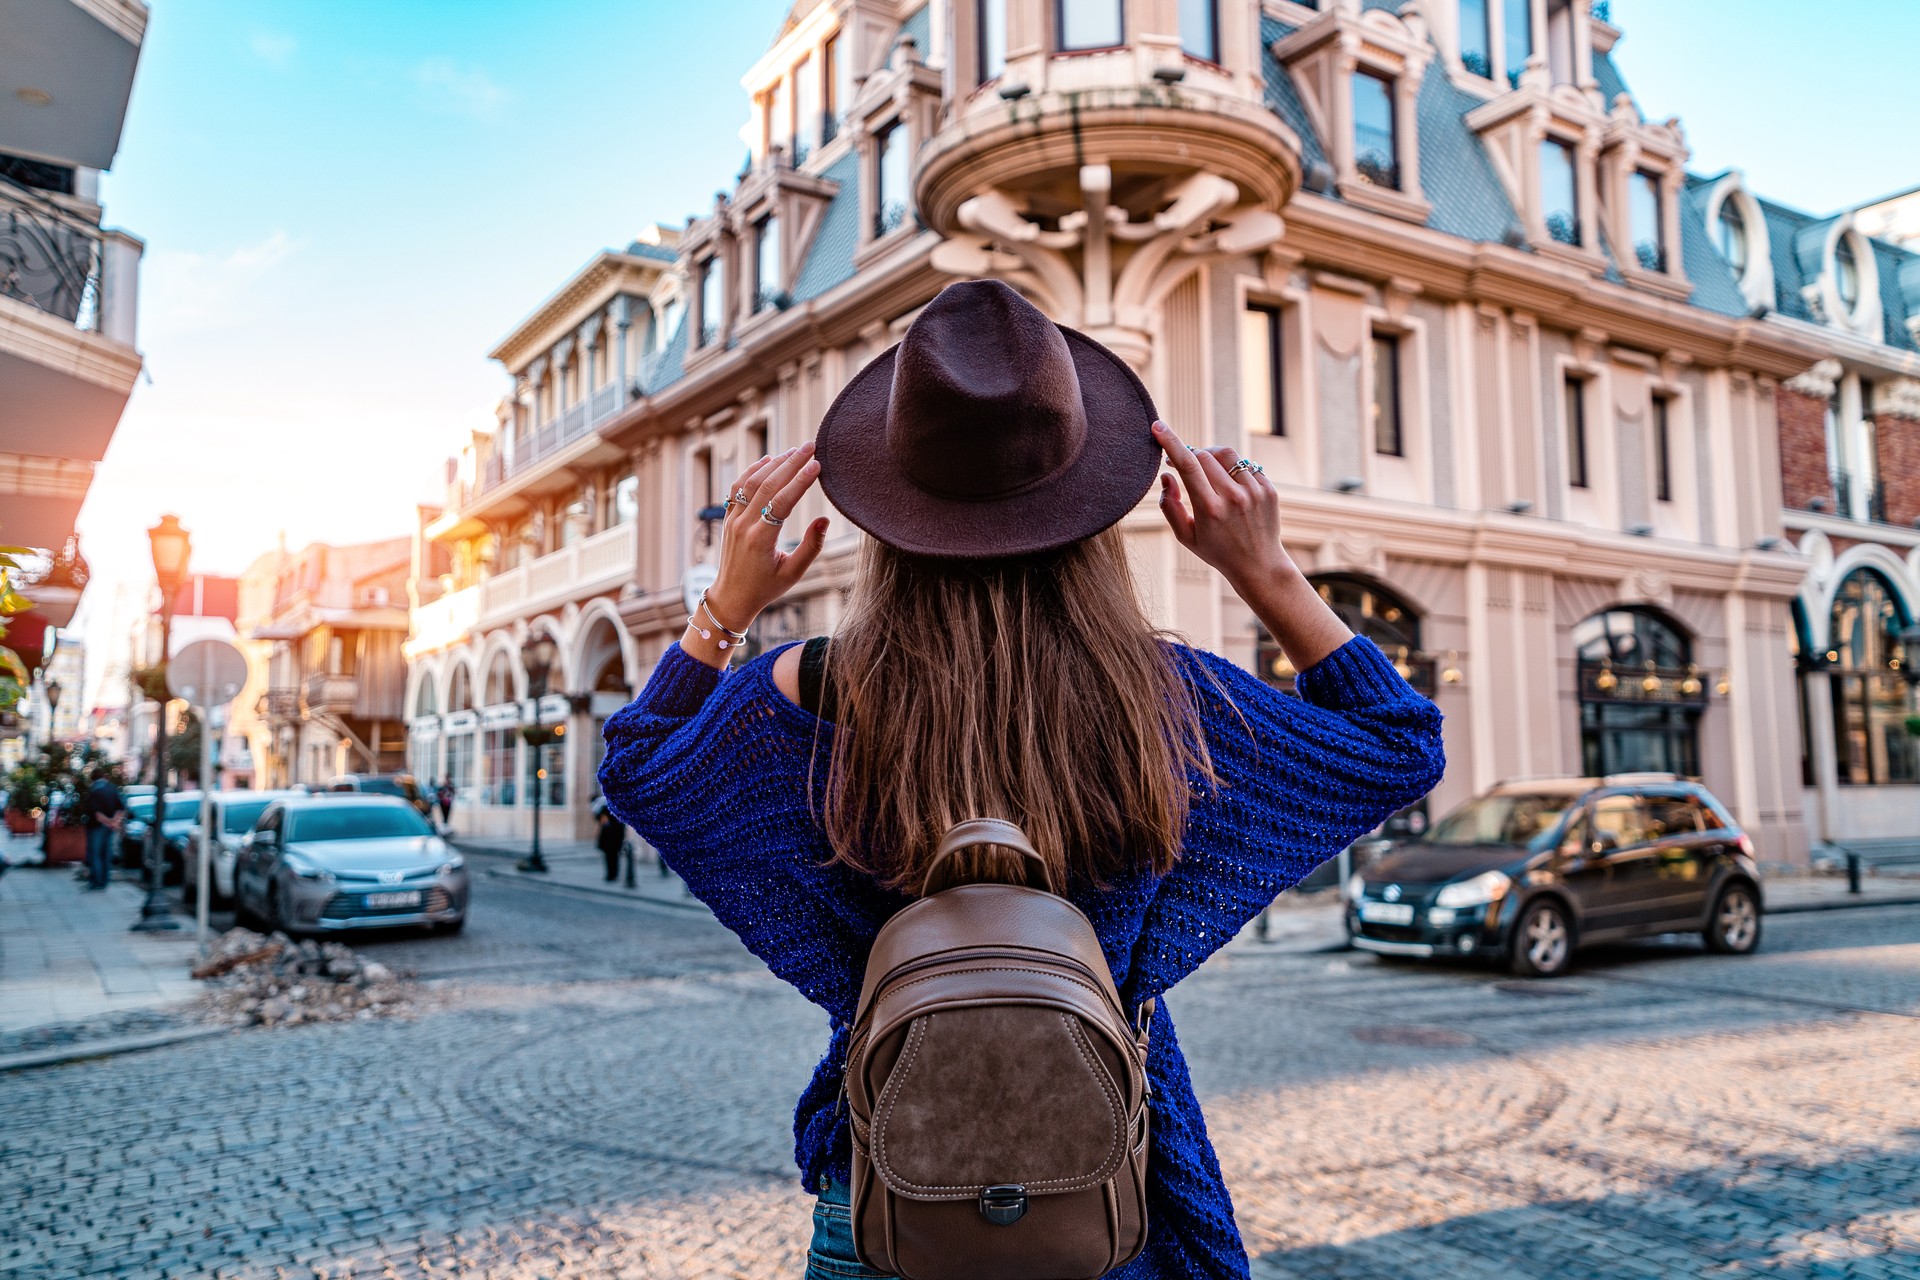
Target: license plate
1387,912
411,898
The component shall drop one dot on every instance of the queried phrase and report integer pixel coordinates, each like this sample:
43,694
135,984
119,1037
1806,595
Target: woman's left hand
754,572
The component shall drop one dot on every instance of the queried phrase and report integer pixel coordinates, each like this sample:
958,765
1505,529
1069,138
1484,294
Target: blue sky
346,204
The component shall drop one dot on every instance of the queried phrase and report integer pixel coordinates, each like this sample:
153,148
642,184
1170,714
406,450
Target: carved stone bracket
1818,381
1646,583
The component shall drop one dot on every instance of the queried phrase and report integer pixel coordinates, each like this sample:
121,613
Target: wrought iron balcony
49,259
281,705
1871,494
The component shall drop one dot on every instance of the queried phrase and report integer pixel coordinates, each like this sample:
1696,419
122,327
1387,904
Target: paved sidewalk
67,954
578,865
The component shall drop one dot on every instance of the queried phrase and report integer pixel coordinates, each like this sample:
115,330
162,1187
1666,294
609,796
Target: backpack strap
973,831
815,693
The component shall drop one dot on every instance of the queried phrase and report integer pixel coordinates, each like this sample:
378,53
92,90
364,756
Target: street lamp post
538,654
171,549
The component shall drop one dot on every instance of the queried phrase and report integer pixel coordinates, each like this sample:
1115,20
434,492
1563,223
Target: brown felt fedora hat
988,430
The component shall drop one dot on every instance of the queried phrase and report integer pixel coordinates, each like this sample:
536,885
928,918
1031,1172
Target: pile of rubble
275,981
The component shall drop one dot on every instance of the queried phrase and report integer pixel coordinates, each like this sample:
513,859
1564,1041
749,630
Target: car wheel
1733,927
1542,941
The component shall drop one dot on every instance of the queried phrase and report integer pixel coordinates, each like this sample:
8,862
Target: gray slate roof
830,258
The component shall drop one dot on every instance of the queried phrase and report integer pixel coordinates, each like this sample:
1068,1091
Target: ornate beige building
1427,262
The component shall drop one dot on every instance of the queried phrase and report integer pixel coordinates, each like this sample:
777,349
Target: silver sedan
348,861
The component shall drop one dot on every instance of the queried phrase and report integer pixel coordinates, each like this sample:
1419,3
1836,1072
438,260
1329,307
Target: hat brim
1115,468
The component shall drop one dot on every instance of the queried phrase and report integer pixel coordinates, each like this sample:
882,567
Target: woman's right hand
1234,520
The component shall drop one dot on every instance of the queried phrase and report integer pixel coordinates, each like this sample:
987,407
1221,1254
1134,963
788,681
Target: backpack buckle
1003,1205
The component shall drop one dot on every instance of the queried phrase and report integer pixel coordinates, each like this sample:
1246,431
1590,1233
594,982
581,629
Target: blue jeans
832,1256
99,856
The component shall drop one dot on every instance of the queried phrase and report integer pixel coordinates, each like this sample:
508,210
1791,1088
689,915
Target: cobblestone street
605,1090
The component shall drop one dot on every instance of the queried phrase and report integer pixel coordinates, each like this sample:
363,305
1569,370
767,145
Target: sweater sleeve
710,769
1298,779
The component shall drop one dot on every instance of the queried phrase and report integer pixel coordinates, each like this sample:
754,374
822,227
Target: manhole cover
1413,1037
1539,989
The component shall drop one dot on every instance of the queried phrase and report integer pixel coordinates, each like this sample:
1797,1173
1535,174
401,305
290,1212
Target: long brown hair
1030,688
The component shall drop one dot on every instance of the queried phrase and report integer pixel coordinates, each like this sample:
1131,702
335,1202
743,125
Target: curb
105,1048
617,895
1799,908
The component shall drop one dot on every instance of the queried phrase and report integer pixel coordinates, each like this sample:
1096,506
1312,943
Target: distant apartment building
1428,262
322,630
69,287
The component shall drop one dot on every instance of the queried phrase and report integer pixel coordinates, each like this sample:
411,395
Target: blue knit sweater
712,769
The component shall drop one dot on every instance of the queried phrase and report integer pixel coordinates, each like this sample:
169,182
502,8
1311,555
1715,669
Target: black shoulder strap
815,695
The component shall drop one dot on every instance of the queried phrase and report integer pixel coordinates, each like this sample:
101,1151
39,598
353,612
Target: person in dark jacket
105,812
612,838
994,660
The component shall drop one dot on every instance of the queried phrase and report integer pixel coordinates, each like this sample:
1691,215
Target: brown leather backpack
997,1087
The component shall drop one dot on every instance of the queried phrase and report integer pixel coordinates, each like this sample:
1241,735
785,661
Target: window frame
1641,180
1390,93
883,137
1485,29
1571,151
1060,44
1732,206
711,332
1661,413
1212,56
1573,410
981,45
766,229
1275,315
1389,340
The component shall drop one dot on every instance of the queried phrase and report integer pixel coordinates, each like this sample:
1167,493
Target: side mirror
1605,841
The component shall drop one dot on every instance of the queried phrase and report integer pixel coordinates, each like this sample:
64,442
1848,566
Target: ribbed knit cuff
680,683
1355,675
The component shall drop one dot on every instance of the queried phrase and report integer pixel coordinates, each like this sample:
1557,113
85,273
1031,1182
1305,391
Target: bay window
1200,29
1088,24
990,38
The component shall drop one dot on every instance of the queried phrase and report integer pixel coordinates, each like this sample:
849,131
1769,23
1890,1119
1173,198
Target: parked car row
347,857
1533,870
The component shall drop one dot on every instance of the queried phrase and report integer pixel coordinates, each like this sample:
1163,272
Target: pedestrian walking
104,813
611,837
995,706
445,797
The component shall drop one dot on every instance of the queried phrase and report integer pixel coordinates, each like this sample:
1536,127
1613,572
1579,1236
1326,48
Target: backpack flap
946,1127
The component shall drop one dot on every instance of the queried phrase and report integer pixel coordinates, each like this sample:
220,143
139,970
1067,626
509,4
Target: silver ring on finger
766,514
1244,464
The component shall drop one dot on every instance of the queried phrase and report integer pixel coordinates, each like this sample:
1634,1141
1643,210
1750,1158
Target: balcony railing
49,259
329,694
592,564
1870,493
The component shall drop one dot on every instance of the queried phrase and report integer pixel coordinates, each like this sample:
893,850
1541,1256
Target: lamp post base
156,915
533,862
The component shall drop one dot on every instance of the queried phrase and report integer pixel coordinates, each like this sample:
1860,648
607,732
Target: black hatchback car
1531,870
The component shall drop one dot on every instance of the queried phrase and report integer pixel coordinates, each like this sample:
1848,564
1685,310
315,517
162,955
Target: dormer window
1559,191
806,109
713,299
1476,37
1088,24
1846,274
1200,29
834,95
990,38
890,188
1517,18
1732,233
766,262
1648,228
1376,146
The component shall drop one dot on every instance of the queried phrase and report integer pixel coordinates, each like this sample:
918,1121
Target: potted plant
24,797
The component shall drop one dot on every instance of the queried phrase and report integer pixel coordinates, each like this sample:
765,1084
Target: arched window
1872,698
1640,695
460,691
499,681
500,750
424,702
1733,236
1368,610
1846,273
459,748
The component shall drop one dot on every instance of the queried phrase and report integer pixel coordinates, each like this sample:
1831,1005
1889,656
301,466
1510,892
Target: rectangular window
757,441
1089,24
1260,370
1200,29
1560,19
806,108
890,189
766,263
1559,192
1576,410
1662,449
1376,150
713,300
498,788
1517,16
1648,229
779,116
1476,37
626,499
833,94
1387,436
990,38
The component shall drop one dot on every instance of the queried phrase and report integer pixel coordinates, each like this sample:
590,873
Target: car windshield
383,787
240,815
1515,819
354,822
